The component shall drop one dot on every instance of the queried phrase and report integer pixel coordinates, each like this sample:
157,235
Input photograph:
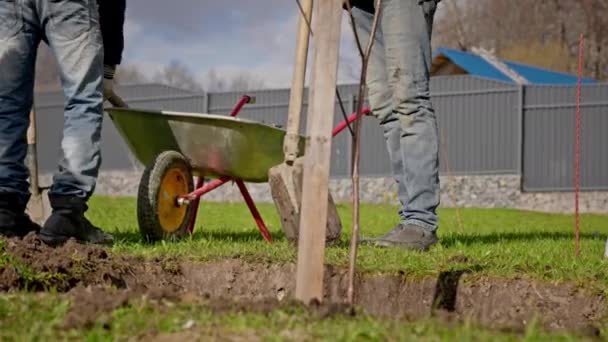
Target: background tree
538,32
179,76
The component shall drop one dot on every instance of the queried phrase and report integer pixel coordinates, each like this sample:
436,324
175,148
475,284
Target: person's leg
73,34
19,39
407,26
381,98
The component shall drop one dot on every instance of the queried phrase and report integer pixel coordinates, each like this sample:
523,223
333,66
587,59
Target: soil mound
100,282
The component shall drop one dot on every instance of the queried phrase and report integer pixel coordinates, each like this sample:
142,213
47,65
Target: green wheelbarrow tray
215,145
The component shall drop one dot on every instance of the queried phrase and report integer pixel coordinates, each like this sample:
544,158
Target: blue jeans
71,29
399,95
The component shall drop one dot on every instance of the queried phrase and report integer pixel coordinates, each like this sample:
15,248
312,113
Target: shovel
39,207
285,179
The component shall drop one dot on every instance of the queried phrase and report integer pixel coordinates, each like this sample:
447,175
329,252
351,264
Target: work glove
108,81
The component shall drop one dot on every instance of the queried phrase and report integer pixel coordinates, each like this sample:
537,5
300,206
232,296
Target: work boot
408,236
14,222
67,221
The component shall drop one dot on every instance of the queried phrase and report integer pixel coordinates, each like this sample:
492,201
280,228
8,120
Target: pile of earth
99,281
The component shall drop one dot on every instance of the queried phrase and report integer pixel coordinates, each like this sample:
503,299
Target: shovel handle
32,154
117,101
292,138
31,130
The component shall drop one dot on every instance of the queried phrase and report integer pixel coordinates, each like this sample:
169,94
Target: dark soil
35,266
99,282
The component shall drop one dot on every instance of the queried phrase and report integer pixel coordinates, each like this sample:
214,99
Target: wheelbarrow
181,150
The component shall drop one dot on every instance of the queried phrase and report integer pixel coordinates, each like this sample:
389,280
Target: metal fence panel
480,128
479,131
565,95
191,104
132,93
549,138
464,83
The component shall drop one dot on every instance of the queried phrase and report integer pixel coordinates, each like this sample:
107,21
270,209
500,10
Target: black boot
68,221
13,220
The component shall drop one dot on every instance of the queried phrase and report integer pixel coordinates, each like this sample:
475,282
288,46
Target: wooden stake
313,218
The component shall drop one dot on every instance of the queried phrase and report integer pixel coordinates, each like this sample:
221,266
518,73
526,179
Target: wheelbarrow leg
199,190
254,211
200,181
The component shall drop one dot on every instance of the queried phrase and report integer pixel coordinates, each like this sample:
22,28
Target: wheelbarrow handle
341,126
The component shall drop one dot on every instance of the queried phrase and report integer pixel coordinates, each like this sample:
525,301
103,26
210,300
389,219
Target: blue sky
256,36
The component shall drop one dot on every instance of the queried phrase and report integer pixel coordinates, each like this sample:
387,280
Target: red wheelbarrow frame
200,189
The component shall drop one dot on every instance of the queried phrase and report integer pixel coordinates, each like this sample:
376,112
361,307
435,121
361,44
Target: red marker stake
577,143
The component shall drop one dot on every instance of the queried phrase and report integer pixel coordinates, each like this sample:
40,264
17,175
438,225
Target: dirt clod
90,304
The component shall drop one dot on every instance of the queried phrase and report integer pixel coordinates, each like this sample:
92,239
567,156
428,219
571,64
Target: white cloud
257,39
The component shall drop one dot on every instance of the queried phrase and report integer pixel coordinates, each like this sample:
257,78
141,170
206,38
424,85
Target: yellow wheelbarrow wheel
158,214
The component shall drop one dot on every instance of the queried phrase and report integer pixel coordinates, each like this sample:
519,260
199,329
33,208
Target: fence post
206,103
521,107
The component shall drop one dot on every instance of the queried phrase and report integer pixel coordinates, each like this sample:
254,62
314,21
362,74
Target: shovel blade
286,188
39,208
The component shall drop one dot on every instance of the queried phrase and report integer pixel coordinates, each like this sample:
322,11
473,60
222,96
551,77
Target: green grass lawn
41,318
494,242
488,241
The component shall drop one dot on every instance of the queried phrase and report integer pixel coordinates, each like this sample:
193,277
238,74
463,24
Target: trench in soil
101,282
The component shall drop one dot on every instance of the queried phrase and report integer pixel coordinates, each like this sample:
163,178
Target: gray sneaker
408,236
393,232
